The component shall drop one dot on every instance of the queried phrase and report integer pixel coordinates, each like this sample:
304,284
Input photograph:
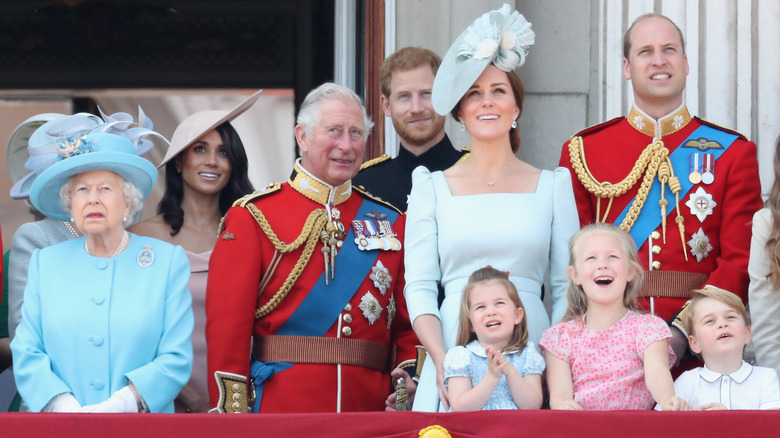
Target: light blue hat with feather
501,37
84,142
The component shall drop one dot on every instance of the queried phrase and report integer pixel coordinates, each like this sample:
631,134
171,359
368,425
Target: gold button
237,397
236,406
347,318
348,307
236,387
655,235
656,249
346,331
656,265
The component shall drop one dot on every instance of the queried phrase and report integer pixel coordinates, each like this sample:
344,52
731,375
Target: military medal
701,204
375,234
694,176
709,169
700,245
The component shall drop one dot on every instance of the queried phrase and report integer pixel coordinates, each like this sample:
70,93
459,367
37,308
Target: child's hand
570,405
713,407
496,361
675,403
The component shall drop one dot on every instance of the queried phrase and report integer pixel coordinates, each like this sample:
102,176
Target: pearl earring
124,219
514,124
72,220
462,126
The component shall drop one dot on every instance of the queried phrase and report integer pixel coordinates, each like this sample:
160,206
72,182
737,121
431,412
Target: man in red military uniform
305,307
685,189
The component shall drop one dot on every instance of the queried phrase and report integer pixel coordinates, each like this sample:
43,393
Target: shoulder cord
314,224
653,160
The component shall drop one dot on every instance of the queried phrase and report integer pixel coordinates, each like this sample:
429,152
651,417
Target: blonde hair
578,302
722,295
481,277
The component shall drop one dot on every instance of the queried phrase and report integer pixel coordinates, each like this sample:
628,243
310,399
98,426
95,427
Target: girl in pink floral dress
605,355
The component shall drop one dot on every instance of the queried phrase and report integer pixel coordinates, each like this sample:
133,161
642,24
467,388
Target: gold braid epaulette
362,191
648,163
375,161
312,228
244,200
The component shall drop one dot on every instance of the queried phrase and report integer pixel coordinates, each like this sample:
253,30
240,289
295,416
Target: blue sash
324,303
650,218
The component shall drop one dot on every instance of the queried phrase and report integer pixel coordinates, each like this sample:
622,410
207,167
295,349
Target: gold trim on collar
318,191
668,124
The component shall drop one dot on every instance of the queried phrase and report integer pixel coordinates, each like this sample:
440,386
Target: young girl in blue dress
493,366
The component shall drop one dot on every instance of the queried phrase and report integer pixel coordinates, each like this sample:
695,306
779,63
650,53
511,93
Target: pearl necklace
119,249
70,228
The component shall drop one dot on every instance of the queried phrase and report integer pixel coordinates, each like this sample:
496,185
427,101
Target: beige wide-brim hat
197,125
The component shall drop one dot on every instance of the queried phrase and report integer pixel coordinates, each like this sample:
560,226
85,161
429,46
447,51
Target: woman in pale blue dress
489,209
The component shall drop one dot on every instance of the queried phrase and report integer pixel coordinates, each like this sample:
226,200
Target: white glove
122,401
64,402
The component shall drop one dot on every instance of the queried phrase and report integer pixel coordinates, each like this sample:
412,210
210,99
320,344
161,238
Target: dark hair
627,35
519,92
408,58
238,185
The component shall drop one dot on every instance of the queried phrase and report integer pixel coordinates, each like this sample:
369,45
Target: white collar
738,376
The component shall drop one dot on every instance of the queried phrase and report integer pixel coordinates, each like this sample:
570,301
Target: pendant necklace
493,182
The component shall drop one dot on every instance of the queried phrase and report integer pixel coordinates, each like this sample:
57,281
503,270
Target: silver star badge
370,307
701,204
700,245
381,277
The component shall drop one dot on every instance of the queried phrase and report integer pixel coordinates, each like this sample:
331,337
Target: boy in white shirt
718,330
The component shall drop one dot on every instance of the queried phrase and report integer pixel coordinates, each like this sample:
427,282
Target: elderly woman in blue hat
106,318
489,209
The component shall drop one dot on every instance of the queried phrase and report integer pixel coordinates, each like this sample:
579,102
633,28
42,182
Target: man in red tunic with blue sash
684,188
304,307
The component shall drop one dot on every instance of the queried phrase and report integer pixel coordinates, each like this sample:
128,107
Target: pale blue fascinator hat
501,37
33,145
84,143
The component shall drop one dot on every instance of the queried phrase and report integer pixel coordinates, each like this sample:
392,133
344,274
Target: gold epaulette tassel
675,187
664,172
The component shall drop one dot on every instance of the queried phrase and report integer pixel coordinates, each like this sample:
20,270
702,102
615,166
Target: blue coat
89,324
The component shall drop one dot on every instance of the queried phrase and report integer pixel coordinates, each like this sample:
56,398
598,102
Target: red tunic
611,149
240,258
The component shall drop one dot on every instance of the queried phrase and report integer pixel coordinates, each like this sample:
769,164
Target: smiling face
410,107
656,66
493,314
334,150
602,269
204,165
488,108
97,202
718,329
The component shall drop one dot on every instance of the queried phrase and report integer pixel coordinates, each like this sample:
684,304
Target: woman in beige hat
205,171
